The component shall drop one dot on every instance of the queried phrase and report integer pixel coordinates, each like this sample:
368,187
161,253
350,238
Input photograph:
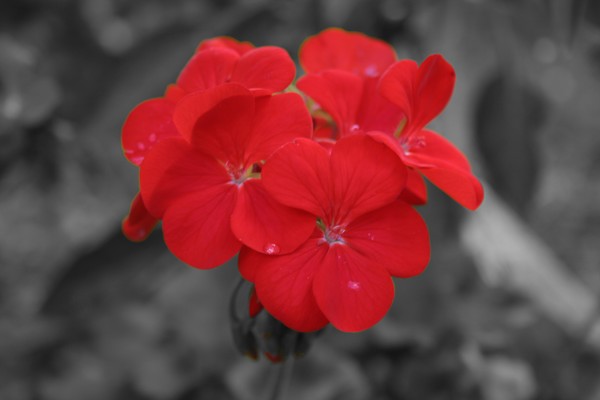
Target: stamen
334,235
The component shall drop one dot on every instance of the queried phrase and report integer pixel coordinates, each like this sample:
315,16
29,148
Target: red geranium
323,225
203,184
342,72
393,108
363,234
220,60
422,92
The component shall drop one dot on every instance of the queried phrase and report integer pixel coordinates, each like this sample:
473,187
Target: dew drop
272,249
371,71
152,137
370,236
354,128
141,146
354,285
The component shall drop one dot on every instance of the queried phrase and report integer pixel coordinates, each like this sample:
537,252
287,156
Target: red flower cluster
319,204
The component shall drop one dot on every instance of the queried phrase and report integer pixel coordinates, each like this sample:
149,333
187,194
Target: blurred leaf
41,97
511,256
578,8
507,121
504,378
80,375
567,17
592,13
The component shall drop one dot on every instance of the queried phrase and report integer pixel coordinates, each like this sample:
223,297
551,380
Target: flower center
237,173
332,234
411,142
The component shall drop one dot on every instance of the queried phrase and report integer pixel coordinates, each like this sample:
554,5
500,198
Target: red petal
460,185
284,284
354,52
447,172
433,148
174,93
421,93
175,170
352,292
266,67
298,176
366,176
226,42
267,226
337,92
208,69
138,225
447,168
249,261
197,228
278,120
415,191
394,237
217,121
376,113
146,125
398,85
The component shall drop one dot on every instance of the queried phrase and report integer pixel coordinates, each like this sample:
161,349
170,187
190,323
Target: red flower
343,70
422,92
341,274
220,60
393,108
203,184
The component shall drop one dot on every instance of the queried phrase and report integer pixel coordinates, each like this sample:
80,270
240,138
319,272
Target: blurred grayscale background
507,310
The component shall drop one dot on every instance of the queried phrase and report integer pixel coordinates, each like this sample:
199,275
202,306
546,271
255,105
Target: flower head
319,207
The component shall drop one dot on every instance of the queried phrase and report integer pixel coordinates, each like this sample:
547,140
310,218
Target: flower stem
282,379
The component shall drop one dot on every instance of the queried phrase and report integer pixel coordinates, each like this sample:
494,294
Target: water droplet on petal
152,137
354,285
272,249
370,236
371,71
354,128
137,160
141,146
